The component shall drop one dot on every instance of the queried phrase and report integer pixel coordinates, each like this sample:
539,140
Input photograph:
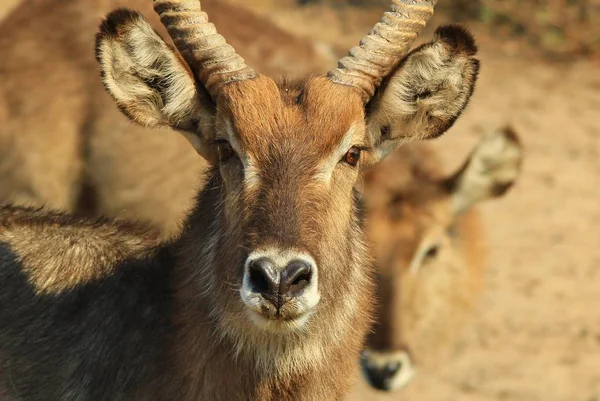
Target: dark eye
225,151
432,252
352,156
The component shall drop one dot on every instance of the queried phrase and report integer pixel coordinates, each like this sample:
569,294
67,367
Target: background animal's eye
352,156
225,151
432,252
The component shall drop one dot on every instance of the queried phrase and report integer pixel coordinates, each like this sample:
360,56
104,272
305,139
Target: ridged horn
213,61
384,47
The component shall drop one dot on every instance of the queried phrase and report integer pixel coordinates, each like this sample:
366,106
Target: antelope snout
387,371
280,285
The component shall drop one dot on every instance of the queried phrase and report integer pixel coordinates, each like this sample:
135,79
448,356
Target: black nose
279,285
380,377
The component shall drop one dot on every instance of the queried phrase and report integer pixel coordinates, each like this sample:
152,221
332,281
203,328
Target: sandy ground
536,334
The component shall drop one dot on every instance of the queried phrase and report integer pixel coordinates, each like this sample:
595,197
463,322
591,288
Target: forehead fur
313,115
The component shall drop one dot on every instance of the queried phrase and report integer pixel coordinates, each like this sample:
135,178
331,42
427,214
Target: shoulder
58,251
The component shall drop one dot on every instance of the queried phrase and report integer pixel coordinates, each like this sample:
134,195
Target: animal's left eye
352,156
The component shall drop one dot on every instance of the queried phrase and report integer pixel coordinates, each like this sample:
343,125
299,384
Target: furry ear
148,79
491,169
426,93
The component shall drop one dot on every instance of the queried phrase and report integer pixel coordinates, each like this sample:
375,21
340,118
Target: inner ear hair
147,78
428,90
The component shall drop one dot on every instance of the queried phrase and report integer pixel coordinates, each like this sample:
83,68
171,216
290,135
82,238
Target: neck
220,354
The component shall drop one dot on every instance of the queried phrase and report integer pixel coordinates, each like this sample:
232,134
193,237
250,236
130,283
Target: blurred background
536,333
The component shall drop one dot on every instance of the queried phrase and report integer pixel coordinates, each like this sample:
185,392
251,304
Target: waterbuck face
427,248
289,157
286,157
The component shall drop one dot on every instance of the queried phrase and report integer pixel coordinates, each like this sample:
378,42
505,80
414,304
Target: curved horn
213,61
383,48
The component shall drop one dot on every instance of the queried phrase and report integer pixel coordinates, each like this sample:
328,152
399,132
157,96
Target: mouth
290,316
278,323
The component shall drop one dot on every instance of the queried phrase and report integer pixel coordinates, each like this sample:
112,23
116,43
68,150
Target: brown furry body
147,326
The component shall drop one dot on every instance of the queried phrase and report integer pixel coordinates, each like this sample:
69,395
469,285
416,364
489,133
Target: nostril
302,279
295,277
300,283
258,281
263,276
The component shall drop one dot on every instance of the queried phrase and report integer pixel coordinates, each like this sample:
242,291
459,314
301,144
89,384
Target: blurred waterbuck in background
427,241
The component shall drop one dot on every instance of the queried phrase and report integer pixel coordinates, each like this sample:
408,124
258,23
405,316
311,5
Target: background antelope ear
148,79
491,169
426,93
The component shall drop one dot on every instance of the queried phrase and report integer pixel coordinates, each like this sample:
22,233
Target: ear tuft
115,23
458,38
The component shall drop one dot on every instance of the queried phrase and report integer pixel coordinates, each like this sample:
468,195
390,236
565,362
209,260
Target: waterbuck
267,292
428,245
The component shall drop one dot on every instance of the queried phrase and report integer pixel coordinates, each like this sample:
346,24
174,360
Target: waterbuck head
277,230
429,251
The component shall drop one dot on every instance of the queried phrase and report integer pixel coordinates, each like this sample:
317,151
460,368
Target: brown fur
430,256
60,268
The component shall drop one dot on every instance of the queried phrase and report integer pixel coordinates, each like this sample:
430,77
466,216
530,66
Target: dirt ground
536,334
